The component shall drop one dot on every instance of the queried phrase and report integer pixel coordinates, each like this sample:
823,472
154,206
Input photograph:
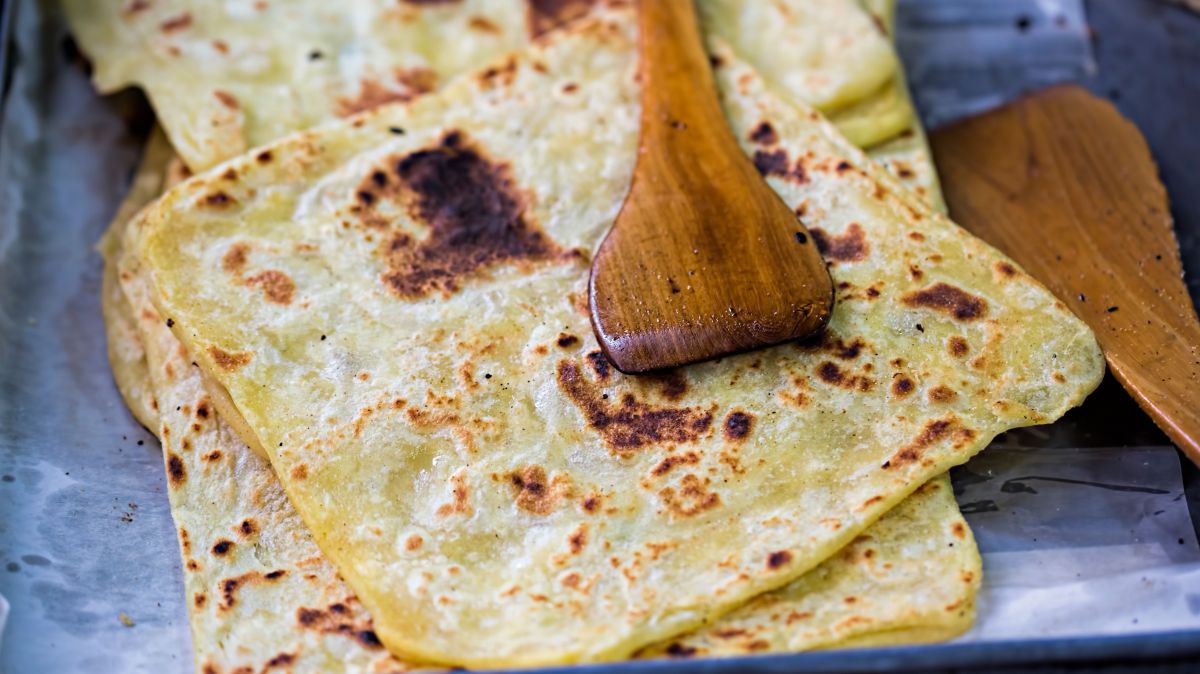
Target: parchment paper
1075,541
1080,542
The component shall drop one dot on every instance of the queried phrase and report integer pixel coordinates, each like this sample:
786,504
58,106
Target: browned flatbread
532,516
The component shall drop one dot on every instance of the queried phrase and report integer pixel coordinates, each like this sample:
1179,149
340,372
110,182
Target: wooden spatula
704,258
1065,185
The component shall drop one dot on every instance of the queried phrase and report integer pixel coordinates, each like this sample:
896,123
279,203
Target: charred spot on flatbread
779,559
738,425
957,346
232,586
345,618
631,424
475,214
176,471
934,432
535,493
764,134
277,287
776,164
544,16
849,246
947,299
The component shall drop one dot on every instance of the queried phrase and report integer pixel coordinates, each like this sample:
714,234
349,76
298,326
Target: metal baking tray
85,530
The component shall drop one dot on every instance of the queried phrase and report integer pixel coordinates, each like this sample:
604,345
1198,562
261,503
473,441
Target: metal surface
85,533
85,530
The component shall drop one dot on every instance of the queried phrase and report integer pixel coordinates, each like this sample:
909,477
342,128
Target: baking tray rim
1018,654
1160,647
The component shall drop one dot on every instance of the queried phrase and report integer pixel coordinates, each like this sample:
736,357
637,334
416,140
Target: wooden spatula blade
704,259
1066,186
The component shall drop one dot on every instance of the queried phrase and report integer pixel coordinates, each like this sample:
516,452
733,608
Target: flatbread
905,155
228,76
225,77
130,368
919,561
826,53
809,613
494,493
320,626
880,117
126,355
259,593
883,13
908,158
910,578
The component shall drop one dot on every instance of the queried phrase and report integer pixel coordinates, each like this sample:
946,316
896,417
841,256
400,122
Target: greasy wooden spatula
704,259
1065,185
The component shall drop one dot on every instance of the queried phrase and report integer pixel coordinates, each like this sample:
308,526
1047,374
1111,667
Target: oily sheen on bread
393,305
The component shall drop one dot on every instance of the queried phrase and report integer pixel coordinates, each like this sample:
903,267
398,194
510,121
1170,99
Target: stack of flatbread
353,309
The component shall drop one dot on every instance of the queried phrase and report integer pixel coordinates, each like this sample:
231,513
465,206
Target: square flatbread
910,577
228,76
491,489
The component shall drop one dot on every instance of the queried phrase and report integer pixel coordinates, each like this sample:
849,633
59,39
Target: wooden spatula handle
674,61
1066,186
